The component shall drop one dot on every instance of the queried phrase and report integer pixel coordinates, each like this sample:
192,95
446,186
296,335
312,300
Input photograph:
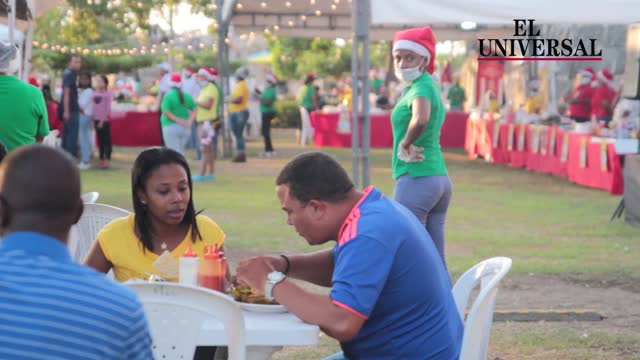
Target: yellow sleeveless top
124,250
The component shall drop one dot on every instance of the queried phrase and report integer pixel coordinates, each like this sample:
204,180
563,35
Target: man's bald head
40,189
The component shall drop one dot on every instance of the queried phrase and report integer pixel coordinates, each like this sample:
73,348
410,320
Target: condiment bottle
188,267
209,275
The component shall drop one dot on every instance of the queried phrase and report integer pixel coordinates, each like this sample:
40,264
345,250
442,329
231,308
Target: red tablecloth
136,129
548,149
325,127
452,133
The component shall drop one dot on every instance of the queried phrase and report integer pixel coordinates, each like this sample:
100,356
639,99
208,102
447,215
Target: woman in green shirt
422,181
268,110
178,113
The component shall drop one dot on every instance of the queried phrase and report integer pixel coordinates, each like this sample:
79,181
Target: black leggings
104,140
266,130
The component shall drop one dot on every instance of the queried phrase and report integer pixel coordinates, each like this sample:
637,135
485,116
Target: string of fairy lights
185,42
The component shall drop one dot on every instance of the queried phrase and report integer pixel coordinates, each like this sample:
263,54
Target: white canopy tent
335,19
501,12
363,20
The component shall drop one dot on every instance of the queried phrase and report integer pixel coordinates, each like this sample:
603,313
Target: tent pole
26,55
223,17
355,97
12,19
364,19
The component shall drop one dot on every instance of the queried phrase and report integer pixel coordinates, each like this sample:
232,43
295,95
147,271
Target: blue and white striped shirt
54,308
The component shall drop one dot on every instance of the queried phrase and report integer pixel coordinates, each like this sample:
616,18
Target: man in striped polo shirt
53,307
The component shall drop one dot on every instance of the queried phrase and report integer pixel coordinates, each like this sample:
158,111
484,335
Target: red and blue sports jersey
388,271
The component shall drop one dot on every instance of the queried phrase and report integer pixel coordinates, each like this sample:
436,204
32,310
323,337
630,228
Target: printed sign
565,148
521,137
510,137
603,156
552,141
583,152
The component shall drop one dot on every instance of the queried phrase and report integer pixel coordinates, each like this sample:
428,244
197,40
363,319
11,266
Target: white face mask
203,83
409,74
585,80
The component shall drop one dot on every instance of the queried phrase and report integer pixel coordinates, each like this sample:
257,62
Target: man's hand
66,116
254,271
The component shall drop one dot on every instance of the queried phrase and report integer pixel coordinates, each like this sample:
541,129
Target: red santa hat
33,81
588,71
209,73
272,79
175,80
605,75
421,41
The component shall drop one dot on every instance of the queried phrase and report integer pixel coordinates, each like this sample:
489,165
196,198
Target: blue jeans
70,134
428,199
175,136
238,122
85,138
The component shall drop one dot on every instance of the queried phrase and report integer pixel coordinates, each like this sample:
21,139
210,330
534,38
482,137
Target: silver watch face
275,276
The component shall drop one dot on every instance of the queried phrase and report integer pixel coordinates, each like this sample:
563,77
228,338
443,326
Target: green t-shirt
376,84
268,94
456,97
171,102
23,117
306,98
433,163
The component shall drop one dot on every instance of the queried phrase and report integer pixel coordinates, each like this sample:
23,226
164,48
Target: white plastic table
266,333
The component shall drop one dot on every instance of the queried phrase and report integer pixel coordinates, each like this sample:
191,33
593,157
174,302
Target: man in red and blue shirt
390,293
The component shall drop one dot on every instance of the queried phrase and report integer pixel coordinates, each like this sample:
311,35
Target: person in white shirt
85,100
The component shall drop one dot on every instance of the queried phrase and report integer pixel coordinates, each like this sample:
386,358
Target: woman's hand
410,153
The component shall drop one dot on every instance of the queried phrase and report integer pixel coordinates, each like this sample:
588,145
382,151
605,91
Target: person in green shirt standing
268,110
23,119
307,99
422,181
178,113
456,96
376,82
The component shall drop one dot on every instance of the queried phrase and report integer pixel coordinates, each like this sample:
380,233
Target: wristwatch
273,278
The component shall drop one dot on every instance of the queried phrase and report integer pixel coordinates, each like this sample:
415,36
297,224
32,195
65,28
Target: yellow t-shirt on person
208,92
124,250
533,104
242,90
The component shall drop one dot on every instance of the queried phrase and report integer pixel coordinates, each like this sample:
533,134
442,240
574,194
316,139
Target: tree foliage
295,57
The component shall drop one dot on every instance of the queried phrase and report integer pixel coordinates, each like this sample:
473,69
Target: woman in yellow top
208,121
164,220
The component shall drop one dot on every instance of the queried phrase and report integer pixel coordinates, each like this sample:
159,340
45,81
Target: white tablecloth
266,333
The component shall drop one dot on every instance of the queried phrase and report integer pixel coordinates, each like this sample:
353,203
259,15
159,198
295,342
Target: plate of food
251,300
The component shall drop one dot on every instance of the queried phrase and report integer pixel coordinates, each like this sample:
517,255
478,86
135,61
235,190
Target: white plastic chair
94,218
307,130
51,139
477,326
90,197
176,313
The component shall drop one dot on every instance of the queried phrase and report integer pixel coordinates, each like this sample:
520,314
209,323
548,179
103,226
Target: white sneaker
84,166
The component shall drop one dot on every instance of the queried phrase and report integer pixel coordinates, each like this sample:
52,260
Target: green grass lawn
547,225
